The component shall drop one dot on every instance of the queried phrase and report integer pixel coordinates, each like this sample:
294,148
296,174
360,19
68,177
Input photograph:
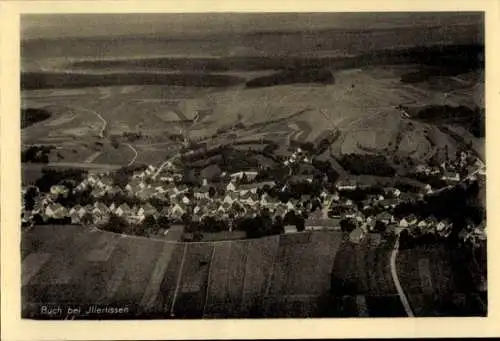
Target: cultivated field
438,283
361,105
241,278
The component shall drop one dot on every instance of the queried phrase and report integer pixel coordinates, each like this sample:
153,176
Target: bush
31,116
115,224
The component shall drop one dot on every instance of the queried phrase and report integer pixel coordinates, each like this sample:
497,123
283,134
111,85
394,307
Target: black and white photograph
252,165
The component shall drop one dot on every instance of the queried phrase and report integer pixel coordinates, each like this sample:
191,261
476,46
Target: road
395,278
176,155
325,208
135,153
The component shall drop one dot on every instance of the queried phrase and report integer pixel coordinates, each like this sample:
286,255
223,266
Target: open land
272,276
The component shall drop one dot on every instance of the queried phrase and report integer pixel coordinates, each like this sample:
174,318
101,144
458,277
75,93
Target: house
230,198
385,217
49,211
185,200
254,186
250,175
75,217
149,209
428,189
290,205
123,210
357,235
451,176
167,179
422,224
178,210
412,219
57,190
388,203
346,185
202,192
403,223
290,229
92,179
59,211
231,187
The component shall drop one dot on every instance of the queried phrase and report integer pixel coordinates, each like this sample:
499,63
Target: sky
50,26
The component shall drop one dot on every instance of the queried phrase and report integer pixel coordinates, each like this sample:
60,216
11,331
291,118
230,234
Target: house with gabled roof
403,223
412,219
75,217
123,210
149,209
346,185
178,209
230,197
450,176
231,186
57,190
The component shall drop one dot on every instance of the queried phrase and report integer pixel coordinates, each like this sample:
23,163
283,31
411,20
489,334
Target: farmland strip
209,280
425,275
102,255
156,278
179,277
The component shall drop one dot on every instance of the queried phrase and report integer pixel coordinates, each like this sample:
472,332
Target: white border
15,329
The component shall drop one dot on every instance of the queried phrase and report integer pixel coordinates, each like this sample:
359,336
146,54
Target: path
395,278
104,122
92,157
135,153
164,164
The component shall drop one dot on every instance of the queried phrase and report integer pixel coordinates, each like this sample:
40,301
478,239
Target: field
71,266
361,105
438,283
302,275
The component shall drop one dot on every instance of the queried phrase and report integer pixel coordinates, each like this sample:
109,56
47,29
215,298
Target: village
154,200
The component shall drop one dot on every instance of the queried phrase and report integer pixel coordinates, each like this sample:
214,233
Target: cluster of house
296,157
448,171
234,201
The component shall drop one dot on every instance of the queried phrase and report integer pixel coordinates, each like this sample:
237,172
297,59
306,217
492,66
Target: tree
290,218
379,227
278,225
211,192
163,222
87,219
115,224
347,225
149,223
300,223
